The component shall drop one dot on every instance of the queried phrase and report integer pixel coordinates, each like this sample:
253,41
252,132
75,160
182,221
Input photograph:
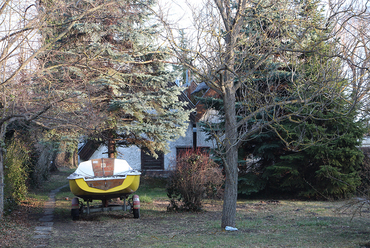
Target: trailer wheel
136,213
136,206
75,210
75,214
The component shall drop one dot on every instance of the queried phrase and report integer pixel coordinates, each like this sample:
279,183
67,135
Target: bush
16,164
364,172
195,177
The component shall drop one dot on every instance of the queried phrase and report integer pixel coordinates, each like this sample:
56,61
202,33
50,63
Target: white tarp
121,169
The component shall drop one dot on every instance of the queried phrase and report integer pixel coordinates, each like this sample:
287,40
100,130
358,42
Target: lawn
260,223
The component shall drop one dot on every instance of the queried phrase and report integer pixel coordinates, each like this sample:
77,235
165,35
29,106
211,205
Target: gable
87,150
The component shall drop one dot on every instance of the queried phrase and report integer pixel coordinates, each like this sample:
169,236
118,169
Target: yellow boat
104,179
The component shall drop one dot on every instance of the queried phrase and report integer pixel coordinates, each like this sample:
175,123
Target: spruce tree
114,66
297,78
313,154
328,168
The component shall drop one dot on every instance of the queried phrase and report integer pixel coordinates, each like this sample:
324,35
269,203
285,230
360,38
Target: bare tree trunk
231,189
2,174
75,158
1,183
111,145
230,196
231,158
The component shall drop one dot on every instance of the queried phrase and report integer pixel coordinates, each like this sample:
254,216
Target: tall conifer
112,62
288,75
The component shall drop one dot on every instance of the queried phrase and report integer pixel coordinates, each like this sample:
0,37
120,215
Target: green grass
145,199
260,223
56,180
152,188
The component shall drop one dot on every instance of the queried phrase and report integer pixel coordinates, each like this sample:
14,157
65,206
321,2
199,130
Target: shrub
195,177
16,164
364,172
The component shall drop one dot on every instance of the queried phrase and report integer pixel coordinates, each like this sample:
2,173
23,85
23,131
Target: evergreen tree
314,154
328,168
296,79
110,59
183,52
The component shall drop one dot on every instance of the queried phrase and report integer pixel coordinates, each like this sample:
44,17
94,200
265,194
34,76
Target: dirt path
43,231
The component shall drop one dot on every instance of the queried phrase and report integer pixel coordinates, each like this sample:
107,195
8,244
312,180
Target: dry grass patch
261,224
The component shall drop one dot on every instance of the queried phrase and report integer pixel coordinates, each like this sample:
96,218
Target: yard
260,223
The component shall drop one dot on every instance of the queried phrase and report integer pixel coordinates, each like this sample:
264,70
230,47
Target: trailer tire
75,214
136,213
75,210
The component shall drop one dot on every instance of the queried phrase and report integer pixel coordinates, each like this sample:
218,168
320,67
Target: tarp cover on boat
97,168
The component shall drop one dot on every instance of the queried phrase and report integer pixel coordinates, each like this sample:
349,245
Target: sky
179,12
180,15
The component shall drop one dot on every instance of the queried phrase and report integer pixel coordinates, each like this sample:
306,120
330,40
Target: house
140,160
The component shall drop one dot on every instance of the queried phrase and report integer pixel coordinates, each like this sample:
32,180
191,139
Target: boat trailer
78,208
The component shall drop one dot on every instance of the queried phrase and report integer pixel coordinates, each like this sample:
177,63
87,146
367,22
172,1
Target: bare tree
24,99
16,43
353,29
238,41
90,57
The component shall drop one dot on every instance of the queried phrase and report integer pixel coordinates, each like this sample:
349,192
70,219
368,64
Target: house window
148,162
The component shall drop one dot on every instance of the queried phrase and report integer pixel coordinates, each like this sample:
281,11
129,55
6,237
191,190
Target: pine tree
112,62
328,168
183,53
313,154
295,78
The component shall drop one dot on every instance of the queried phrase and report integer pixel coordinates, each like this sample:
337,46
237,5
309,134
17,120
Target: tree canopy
114,63
87,68
270,62
100,68
327,169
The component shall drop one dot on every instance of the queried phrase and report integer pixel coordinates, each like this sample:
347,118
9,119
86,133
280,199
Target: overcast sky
178,11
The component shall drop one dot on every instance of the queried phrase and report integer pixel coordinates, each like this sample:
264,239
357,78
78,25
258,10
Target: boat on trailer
104,179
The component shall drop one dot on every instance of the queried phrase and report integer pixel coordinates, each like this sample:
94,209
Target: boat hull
90,191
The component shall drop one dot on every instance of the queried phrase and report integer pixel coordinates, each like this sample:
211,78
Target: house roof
88,149
200,87
184,98
201,109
